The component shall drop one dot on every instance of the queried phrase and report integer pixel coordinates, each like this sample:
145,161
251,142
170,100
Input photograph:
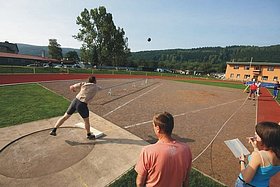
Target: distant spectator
264,162
258,87
167,162
276,90
253,90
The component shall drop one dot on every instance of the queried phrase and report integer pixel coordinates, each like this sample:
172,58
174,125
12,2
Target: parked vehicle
76,66
60,66
32,65
46,65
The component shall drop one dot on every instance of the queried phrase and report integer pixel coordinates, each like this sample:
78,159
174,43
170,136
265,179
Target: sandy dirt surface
26,150
200,113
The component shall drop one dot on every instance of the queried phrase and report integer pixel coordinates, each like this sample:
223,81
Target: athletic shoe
91,137
53,133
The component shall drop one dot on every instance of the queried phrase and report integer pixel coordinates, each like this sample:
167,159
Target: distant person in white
258,88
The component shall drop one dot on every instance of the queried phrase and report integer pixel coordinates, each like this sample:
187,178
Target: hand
242,157
253,141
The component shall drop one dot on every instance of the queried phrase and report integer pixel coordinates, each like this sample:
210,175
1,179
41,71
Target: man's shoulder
158,145
89,84
151,146
184,145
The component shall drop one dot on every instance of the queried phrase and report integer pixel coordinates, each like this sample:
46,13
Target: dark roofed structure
23,60
7,47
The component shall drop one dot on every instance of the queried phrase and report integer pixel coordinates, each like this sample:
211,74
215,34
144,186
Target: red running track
268,108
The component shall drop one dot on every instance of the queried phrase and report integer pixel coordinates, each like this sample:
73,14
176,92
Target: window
236,67
231,75
275,78
246,67
270,68
264,78
238,76
246,76
257,68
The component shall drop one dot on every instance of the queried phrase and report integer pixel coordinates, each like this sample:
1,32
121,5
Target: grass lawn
219,84
196,179
29,102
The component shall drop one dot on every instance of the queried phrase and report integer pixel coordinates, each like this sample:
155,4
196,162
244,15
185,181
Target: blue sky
169,23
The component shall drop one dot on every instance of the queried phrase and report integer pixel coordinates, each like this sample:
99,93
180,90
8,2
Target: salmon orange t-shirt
164,164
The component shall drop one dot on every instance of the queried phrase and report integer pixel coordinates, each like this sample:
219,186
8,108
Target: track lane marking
182,114
130,101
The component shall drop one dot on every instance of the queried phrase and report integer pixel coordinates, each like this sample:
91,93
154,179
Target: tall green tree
103,43
55,50
72,56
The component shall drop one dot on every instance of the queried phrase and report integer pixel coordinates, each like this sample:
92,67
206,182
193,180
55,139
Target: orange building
247,71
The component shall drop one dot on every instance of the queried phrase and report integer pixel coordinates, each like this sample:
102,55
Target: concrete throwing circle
39,153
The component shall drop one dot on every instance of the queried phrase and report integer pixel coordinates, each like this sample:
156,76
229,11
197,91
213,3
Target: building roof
28,57
255,63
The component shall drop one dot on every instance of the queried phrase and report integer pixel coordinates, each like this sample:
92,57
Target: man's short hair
92,79
165,122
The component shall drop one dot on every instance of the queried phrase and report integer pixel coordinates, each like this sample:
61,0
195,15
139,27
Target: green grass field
197,179
219,84
29,102
38,70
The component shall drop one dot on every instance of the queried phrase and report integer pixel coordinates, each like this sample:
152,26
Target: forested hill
204,54
37,50
205,58
212,54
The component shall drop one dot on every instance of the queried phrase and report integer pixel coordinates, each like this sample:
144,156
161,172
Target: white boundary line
182,114
51,91
130,101
220,130
19,83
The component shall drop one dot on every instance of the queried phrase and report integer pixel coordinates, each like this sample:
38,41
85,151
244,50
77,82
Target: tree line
206,59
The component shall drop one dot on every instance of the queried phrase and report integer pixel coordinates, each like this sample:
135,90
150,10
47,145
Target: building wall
263,73
18,61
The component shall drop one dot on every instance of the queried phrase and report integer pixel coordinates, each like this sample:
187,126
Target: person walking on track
87,92
253,90
258,88
276,88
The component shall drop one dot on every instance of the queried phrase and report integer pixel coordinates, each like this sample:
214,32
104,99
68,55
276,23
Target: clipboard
236,147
